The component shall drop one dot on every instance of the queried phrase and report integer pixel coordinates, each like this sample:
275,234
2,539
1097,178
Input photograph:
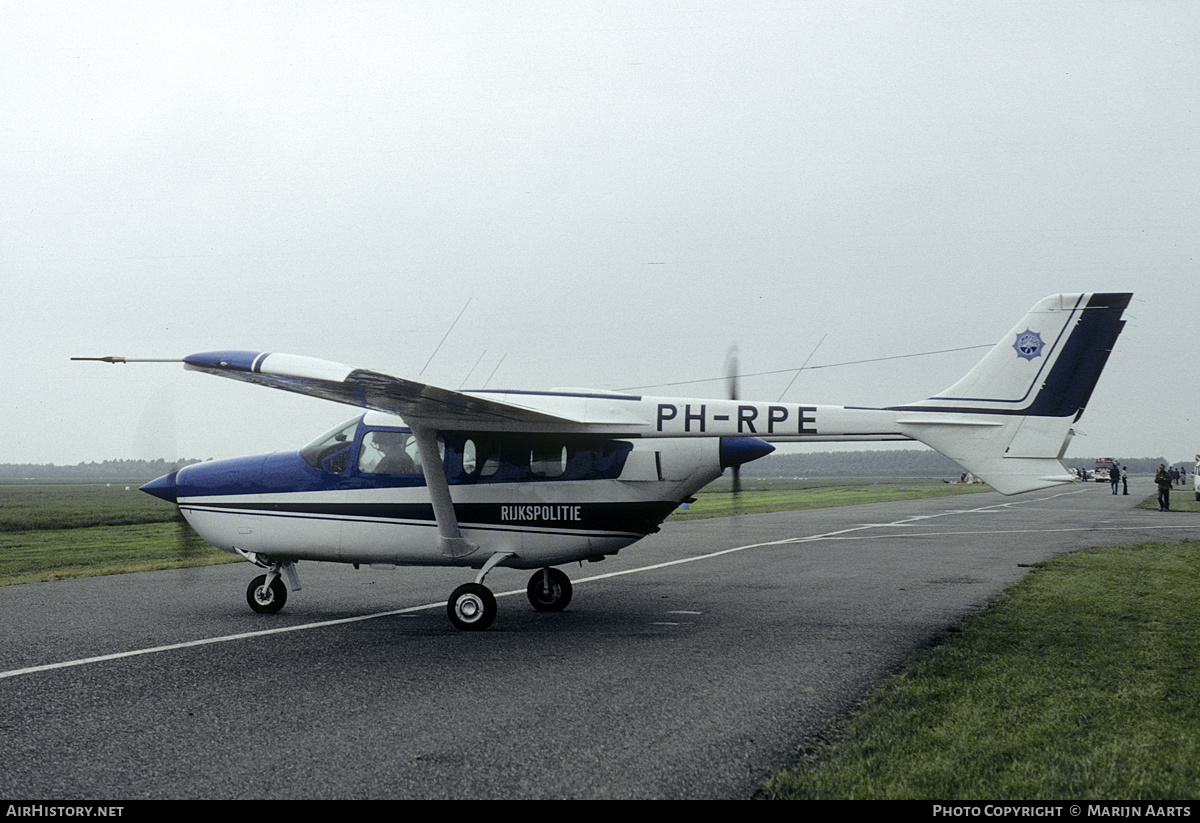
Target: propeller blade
731,372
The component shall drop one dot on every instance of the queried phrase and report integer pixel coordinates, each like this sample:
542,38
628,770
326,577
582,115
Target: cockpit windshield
330,443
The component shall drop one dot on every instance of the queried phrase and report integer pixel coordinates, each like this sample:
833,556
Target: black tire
549,590
471,607
266,600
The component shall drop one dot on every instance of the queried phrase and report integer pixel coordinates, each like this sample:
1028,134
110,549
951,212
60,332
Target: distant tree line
107,470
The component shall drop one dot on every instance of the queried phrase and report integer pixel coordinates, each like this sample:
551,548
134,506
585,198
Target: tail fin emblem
1029,344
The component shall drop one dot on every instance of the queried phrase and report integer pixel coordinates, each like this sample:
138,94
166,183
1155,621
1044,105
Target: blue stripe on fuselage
262,474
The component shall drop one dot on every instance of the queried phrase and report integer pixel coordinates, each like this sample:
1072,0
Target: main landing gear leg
472,606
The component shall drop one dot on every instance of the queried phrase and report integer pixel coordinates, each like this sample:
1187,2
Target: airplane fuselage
359,495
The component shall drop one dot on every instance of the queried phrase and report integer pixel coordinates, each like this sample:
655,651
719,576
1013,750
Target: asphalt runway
691,666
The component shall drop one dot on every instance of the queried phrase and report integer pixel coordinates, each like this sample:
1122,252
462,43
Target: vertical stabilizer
1009,419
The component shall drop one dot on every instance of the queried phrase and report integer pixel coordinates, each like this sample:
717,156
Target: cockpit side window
333,441
389,452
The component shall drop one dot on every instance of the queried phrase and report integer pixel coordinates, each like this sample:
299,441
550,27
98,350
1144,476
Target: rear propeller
731,381
739,449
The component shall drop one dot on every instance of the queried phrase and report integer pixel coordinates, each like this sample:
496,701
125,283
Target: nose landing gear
267,592
264,597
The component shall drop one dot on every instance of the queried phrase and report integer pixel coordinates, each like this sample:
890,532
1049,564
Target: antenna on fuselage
447,334
808,368
493,374
113,359
472,371
803,365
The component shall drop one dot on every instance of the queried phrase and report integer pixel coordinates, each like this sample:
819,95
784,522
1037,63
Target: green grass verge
29,505
789,495
59,530
59,554
1081,682
1182,500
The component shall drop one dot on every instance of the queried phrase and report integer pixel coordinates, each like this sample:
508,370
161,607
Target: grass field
35,506
59,554
1182,500
773,494
1081,682
55,531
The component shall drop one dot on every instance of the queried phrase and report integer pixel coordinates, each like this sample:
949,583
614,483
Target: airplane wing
418,403
1008,420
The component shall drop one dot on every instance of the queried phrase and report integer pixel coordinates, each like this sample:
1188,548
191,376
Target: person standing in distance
1163,480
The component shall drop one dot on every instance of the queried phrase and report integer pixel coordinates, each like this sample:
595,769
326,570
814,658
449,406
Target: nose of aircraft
162,488
738,450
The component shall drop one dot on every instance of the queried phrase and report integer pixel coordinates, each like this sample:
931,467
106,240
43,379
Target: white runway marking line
831,535
208,641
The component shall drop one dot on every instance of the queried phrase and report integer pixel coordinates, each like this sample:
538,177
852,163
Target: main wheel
471,607
549,590
266,599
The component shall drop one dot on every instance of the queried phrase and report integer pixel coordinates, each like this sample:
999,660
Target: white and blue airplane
429,476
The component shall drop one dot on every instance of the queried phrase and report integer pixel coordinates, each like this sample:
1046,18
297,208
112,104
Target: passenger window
548,460
480,457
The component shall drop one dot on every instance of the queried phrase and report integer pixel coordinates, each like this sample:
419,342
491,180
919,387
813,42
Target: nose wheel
267,592
266,598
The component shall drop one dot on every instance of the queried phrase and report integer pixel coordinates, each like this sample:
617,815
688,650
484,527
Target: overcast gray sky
621,190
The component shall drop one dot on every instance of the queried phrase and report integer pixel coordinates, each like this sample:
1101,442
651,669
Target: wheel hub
469,608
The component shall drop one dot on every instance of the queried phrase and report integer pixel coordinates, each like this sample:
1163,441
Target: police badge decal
1029,344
